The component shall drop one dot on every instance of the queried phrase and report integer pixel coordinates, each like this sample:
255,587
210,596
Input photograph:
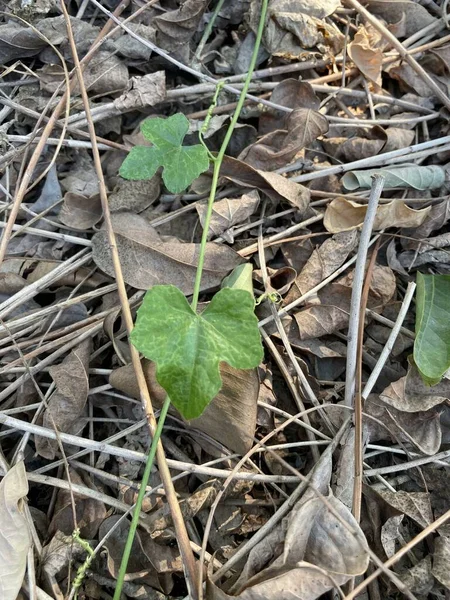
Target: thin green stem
207,32
221,154
140,499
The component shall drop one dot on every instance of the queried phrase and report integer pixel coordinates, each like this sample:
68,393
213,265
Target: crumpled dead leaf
15,538
323,261
365,54
441,561
147,259
176,27
66,405
142,92
291,93
134,196
279,147
17,42
293,26
80,212
231,416
278,188
342,215
312,552
332,314
421,428
228,212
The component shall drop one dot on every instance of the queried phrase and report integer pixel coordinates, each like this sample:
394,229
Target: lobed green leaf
187,347
181,164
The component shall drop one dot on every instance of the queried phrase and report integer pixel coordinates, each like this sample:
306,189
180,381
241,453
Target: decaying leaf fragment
342,214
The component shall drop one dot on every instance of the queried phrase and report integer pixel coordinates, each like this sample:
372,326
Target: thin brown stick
180,527
398,555
357,486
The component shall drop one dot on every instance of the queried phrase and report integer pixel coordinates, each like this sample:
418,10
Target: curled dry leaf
418,178
323,262
176,27
332,314
414,15
134,196
15,539
290,93
142,92
147,259
66,405
323,547
415,505
293,26
421,428
231,416
364,53
278,148
278,188
342,215
441,561
229,212
80,212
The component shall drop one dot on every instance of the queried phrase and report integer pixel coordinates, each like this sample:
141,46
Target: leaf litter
333,103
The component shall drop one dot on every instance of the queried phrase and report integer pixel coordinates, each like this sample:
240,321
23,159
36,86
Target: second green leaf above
181,164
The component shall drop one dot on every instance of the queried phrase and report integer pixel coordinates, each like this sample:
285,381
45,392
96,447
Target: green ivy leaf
188,347
432,343
181,164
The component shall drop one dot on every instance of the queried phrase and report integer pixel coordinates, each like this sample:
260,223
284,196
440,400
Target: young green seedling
188,347
181,164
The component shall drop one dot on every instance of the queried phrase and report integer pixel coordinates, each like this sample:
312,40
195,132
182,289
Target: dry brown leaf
332,314
15,538
319,552
89,512
398,138
276,149
142,92
231,416
415,16
367,57
411,394
176,27
342,214
134,196
278,188
323,261
66,405
229,212
139,565
421,428
79,212
415,505
148,260
17,42
350,149
291,93
419,578
441,561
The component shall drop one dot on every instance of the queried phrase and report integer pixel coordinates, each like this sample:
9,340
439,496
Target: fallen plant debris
212,164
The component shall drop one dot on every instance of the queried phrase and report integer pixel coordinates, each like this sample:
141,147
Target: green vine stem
217,162
81,573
